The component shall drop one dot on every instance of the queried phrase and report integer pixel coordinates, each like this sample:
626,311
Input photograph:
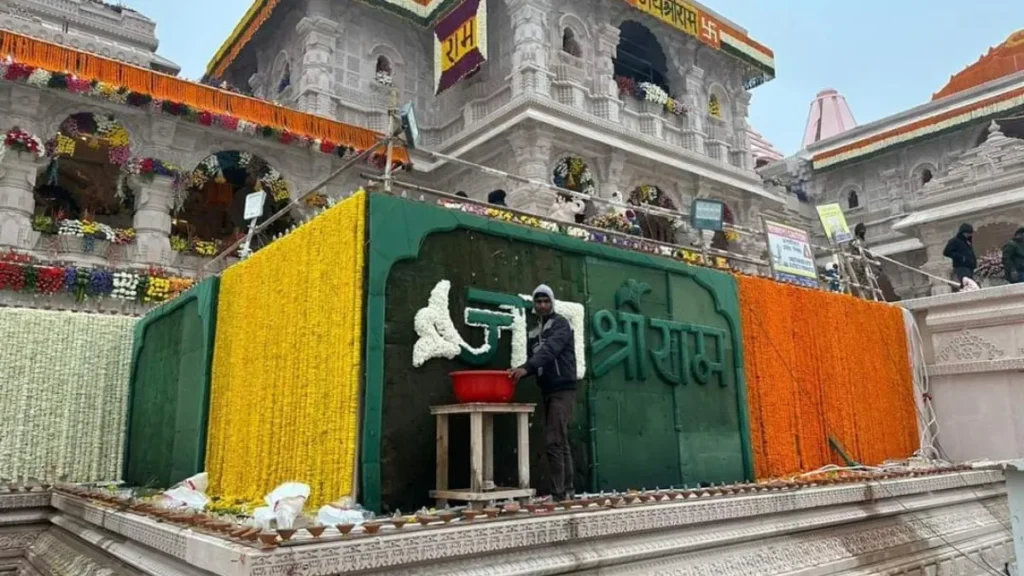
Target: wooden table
481,450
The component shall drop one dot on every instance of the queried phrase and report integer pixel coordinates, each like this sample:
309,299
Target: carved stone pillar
17,180
696,101
153,220
258,85
607,104
611,175
741,155
937,264
316,78
530,70
531,146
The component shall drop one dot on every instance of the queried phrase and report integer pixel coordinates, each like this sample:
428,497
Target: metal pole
295,202
389,156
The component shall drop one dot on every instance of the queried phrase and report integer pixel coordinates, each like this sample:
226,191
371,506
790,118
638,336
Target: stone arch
82,191
280,78
577,28
660,228
922,174
573,172
718,96
211,214
388,54
640,55
851,197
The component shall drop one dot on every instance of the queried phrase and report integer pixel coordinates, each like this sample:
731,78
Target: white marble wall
974,348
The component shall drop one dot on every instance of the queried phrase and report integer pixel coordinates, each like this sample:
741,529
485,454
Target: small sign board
707,214
410,126
791,255
254,205
834,222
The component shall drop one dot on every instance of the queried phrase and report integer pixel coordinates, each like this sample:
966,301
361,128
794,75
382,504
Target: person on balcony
551,357
960,251
1013,258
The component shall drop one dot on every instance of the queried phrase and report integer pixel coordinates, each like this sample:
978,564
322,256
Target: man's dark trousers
557,415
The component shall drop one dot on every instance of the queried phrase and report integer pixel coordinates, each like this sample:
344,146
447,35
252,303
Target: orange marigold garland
818,365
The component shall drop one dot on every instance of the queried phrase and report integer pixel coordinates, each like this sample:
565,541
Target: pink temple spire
830,115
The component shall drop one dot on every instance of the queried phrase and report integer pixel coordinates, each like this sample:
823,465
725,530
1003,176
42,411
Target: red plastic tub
491,386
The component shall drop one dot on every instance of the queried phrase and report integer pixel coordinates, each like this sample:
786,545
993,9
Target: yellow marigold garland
819,365
287,362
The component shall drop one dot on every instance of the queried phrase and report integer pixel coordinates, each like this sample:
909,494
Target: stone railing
974,350
911,525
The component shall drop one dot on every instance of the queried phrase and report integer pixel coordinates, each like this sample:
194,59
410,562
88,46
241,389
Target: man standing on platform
551,357
1013,258
960,251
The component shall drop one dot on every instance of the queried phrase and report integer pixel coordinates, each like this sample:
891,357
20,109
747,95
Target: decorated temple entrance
212,212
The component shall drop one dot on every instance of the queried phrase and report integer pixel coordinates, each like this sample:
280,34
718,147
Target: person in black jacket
960,250
1013,258
551,357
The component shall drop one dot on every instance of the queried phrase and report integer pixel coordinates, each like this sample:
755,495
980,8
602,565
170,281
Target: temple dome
830,115
1000,61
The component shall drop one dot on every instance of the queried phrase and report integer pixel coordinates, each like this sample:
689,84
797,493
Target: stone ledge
567,534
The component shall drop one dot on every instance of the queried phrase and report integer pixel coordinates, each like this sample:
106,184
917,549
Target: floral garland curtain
63,394
820,365
287,362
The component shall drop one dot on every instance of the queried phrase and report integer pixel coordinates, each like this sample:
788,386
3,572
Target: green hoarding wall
168,397
663,399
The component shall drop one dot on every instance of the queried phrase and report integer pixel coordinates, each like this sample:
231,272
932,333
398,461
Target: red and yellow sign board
460,43
682,16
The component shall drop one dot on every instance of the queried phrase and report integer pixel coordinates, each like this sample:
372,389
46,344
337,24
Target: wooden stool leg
476,452
488,452
523,449
441,478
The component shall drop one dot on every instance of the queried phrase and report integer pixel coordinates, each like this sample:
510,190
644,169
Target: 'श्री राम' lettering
687,353
679,15
458,44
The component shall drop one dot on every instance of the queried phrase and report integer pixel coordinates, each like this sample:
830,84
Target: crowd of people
960,251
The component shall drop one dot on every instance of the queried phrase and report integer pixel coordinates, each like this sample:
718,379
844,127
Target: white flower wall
63,394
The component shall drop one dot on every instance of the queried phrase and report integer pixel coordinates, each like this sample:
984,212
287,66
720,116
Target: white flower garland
654,93
63,394
126,286
438,337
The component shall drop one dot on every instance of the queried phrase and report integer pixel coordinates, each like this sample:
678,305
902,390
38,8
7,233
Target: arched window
921,175
640,57
212,215
852,200
714,106
286,78
384,71
653,226
83,192
569,44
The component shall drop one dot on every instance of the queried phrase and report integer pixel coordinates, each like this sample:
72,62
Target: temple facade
114,163
112,167
914,177
600,100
